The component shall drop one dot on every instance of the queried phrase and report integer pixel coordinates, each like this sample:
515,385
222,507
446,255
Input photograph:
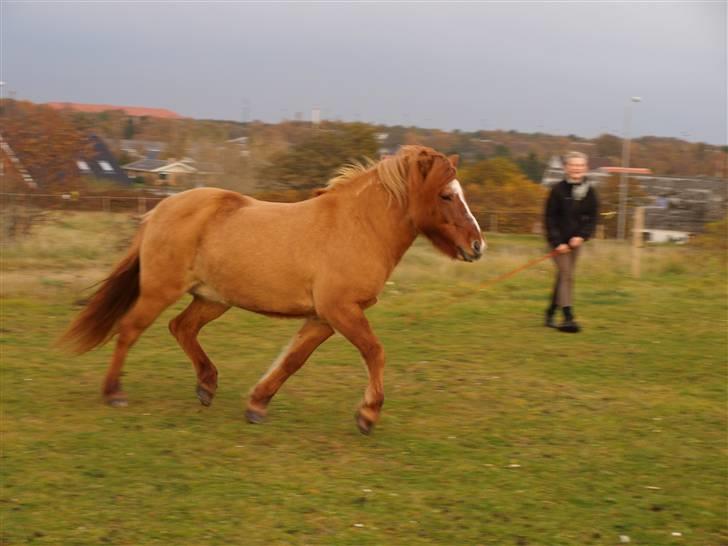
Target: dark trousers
565,270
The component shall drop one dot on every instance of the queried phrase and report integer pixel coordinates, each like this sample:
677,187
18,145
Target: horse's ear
454,159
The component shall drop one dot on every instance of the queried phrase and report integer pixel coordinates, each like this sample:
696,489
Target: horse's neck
386,221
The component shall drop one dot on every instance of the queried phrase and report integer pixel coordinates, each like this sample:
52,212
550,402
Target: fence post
105,204
600,231
637,240
494,223
142,205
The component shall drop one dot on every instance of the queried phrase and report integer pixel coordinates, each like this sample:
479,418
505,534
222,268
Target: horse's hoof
254,417
364,425
204,396
117,402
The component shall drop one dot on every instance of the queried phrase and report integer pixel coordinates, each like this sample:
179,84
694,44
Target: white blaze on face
457,189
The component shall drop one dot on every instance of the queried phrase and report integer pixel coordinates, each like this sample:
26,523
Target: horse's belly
259,263
207,292
260,296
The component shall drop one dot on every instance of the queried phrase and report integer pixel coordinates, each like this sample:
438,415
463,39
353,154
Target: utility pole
622,221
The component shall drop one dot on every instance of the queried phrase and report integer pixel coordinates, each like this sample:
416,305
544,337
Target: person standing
570,218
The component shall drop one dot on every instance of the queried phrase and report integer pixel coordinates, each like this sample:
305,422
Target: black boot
569,325
550,321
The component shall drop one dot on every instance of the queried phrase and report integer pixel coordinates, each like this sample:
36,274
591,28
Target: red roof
627,170
136,111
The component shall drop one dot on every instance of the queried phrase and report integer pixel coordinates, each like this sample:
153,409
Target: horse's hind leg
145,310
185,328
313,333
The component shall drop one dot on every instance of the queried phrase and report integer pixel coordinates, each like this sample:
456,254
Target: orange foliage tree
45,142
499,193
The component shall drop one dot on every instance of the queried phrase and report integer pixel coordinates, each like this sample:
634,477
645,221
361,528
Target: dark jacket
566,217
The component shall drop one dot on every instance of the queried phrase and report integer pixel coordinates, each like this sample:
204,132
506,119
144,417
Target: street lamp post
621,226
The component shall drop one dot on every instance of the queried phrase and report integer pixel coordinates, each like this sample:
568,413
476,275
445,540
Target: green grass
495,430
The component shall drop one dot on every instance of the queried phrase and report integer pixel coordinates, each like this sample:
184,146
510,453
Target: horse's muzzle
477,252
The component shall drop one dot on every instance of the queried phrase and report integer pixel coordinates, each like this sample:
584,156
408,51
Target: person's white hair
568,156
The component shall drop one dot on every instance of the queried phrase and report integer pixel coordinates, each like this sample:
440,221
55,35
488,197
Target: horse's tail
96,324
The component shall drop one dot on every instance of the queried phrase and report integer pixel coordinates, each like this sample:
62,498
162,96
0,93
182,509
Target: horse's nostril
476,246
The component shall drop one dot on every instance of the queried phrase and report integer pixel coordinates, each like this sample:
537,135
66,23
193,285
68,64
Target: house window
83,166
106,166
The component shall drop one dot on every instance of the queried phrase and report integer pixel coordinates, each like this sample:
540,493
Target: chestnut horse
325,260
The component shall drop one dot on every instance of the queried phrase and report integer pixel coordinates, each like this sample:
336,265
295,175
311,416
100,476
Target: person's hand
563,248
576,242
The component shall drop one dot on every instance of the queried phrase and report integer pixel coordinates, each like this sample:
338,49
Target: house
11,164
97,161
386,146
171,172
94,161
682,205
160,172
241,143
150,149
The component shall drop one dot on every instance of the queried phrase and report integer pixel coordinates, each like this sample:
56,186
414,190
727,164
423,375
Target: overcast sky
556,67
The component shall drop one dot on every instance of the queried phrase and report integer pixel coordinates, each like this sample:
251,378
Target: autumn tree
45,142
608,146
532,167
497,187
129,129
502,150
315,160
496,172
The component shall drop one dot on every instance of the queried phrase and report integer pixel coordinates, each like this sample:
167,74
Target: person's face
576,168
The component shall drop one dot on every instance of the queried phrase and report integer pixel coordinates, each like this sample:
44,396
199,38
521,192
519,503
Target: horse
324,260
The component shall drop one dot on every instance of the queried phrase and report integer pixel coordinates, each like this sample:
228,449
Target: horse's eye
446,197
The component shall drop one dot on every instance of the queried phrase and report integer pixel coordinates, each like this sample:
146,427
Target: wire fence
76,201
491,220
33,204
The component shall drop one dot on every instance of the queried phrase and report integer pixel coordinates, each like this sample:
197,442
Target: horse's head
438,208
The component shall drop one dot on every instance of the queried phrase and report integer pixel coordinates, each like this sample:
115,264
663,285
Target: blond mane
391,172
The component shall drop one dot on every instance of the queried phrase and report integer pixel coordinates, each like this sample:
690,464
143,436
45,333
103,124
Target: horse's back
173,232
228,247
200,202
263,256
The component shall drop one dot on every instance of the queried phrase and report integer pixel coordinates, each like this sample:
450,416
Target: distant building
97,161
241,143
171,172
682,205
94,161
149,149
11,163
385,145
134,111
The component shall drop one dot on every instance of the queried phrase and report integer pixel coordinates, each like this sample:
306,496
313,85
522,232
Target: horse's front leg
312,334
351,322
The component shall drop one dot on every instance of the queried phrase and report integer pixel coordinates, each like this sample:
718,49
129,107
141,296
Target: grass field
495,429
